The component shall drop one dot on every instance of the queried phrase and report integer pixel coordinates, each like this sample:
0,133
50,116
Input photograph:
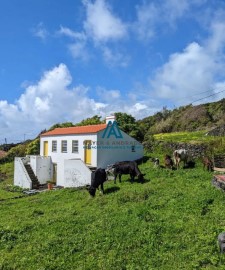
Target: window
64,146
74,146
133,148
54,146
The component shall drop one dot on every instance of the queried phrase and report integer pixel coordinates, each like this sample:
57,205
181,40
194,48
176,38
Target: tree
62,125
128,124
33,148
95,120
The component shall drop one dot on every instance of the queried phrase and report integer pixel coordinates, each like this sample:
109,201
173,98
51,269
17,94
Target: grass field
188,137
170,222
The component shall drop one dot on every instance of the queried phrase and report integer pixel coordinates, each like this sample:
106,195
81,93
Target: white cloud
71,34
159,16
186,72
197,69
101,24
52,100
145,25
45,103
40,31
113,58
216,42
79,51
108,96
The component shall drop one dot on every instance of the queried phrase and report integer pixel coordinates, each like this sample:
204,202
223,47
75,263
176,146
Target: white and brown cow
180,155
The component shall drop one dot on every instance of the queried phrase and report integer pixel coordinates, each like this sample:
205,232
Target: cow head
92,191
141,177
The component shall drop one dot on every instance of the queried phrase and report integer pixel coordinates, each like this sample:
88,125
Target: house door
87,152
46,148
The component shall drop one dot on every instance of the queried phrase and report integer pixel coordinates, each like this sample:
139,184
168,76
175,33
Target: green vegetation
169,222
185,136
186,118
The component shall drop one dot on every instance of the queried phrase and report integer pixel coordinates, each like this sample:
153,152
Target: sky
67,60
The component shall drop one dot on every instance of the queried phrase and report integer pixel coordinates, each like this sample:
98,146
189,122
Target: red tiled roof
75,130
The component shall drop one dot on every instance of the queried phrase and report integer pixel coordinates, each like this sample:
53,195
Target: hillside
186,118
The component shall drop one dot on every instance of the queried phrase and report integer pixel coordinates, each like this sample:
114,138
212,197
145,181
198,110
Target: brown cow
168,162
207,164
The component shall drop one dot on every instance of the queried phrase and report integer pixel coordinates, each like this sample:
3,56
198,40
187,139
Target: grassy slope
169,222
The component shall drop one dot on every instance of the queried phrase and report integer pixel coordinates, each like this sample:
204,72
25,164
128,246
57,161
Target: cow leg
132,178
102,188
120,178
115,176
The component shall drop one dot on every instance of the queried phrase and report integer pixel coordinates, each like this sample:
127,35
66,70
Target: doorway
87,152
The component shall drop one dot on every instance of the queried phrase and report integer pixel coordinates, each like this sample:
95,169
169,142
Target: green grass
190,137
169,222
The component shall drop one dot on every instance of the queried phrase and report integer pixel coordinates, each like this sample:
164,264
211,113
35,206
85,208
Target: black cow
125,167
97,179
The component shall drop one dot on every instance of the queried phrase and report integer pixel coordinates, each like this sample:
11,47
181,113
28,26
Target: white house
74,151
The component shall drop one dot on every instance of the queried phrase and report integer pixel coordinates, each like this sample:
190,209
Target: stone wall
195,150
219,131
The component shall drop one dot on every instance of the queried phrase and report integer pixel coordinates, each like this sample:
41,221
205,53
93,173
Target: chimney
111,118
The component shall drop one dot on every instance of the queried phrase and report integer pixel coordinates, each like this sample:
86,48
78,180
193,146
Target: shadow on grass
190,165
111,190
136,180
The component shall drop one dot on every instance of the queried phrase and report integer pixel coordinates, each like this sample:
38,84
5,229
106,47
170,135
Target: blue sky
68,60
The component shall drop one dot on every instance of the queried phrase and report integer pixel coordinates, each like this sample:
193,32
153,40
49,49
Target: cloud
40,31
158,17
196,69
100,27
113,58
146,18
78,50
101,24
185,72
53,100
49,101
78,47
71,34
108,95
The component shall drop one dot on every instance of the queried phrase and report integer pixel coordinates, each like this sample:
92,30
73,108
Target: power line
208,96
195,94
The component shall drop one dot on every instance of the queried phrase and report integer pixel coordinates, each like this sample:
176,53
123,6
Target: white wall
76,173
112,149
42,167
59,157
21,177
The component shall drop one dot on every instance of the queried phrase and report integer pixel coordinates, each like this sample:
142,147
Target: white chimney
111,118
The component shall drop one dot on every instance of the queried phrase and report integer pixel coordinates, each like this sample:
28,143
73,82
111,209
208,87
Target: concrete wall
42,167
112,149
76,173
21,177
